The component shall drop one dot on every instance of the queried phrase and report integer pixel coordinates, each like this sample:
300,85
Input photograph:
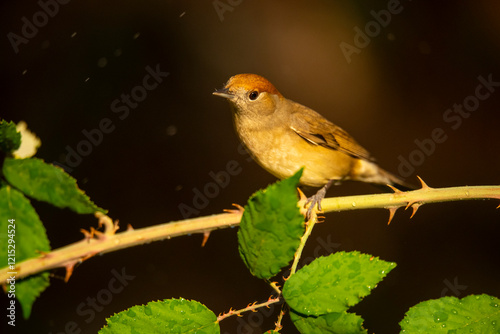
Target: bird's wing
317,130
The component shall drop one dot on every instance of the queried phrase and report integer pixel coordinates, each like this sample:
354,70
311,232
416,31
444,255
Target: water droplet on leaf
440,316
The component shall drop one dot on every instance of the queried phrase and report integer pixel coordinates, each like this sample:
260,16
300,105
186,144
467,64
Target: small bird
284,136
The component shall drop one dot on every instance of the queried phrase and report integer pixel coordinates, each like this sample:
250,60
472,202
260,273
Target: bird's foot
313,201
316,199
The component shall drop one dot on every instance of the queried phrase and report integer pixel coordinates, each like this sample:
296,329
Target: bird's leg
317,198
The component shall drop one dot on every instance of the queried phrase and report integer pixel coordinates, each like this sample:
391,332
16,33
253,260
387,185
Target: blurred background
389,80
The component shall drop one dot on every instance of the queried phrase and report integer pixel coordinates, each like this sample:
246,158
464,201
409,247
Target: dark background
393,92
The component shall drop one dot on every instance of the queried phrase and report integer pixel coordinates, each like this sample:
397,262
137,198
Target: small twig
251,307
298,253
275,287
280,318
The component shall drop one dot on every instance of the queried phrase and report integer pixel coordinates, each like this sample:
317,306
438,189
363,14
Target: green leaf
471,314
47,183
336,322
28,290
26,236
10,139
167,316
334,283
271,228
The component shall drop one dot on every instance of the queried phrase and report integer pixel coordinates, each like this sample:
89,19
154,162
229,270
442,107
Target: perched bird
284,136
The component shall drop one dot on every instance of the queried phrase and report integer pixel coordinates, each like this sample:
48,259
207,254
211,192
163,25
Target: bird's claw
312,202
316,200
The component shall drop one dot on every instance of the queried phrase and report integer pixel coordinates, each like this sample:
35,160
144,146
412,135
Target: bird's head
251,94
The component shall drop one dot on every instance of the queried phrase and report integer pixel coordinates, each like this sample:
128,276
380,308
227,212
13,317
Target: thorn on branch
396,190
86,234
415,207
239,209
392,212
115,226
275,285
69,271
302,196
302,203
424,185
70,266
206,234
251,305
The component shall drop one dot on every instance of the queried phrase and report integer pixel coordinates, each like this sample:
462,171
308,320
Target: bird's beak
225,93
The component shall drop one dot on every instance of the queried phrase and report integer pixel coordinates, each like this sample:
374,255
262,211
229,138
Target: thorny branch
413,199
251,307
96,242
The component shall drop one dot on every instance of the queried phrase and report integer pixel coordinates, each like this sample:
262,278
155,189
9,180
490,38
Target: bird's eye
253,95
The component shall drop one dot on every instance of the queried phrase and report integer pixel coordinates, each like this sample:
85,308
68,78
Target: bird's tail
367,171
396,181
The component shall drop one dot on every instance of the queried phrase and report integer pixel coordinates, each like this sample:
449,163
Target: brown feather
317,130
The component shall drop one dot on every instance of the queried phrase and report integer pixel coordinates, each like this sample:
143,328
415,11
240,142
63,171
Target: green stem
79,251
402,199
95,242
278,326
303,240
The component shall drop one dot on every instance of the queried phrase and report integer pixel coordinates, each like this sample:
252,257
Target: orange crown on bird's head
250,82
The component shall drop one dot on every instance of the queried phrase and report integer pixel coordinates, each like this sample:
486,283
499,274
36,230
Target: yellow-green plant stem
424,195
298,253
109,241
278,325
